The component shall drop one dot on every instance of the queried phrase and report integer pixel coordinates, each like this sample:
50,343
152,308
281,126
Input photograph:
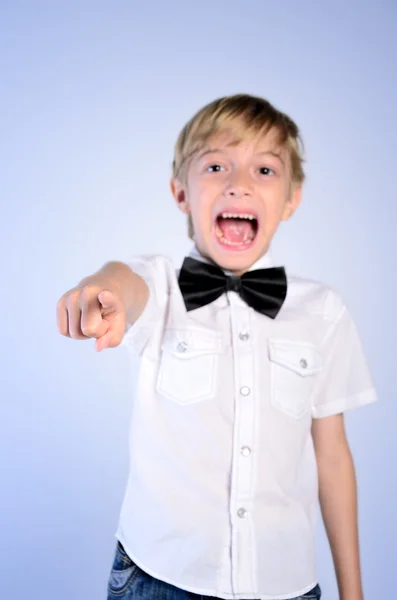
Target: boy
237,424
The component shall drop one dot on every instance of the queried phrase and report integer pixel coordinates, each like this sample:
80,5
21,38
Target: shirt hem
355,401
216,593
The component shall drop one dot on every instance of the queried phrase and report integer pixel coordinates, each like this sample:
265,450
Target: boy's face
236,196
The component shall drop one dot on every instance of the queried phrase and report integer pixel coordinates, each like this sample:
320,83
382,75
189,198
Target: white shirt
222,493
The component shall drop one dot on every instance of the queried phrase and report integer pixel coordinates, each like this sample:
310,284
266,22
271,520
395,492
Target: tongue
236,230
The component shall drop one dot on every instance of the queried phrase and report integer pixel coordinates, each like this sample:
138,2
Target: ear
292,202
178,190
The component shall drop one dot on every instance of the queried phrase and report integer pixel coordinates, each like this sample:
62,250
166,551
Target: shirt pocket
188,365
293,371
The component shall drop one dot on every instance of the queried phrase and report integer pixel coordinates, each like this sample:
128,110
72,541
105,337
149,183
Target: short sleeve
139,333
345,380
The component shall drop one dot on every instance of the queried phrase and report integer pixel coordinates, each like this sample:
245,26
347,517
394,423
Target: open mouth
237,230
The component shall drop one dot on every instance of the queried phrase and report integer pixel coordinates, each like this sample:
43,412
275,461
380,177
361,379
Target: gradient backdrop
92,97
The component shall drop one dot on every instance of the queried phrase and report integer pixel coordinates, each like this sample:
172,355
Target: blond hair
244,116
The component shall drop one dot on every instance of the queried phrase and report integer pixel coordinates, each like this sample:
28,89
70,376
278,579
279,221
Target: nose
238,185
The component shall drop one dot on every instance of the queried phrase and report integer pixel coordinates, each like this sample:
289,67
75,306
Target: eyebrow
264,153
271,153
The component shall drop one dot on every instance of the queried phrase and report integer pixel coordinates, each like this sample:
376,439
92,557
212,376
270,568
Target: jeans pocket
122,574
314,594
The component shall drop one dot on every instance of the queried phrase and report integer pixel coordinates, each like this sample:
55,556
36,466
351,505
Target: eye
214,168
266,171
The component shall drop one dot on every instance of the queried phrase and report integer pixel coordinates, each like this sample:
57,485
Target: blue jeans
127,581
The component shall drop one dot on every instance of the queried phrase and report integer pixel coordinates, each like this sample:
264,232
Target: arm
338,502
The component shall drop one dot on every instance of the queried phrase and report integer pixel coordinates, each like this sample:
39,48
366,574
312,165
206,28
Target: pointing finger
92,323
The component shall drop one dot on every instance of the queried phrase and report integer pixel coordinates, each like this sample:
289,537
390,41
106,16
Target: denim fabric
127,581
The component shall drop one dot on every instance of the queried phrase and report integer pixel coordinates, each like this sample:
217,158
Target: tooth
228,215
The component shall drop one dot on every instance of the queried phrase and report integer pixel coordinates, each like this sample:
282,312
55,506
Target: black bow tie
264,289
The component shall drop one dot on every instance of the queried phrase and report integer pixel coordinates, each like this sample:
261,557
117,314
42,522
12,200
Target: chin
237,262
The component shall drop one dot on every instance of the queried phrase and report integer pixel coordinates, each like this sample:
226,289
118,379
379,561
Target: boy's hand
92,310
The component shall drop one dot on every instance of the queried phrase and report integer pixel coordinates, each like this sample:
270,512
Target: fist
91,310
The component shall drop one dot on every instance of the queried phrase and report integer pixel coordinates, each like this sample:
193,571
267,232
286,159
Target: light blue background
93,95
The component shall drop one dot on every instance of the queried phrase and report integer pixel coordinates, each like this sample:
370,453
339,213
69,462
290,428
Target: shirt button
245,391
242,513
245,451
244,336
182,347
303,363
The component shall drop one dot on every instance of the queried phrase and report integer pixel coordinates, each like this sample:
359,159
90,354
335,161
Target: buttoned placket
241,501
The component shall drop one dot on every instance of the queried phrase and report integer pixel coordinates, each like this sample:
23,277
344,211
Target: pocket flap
301,357
186,343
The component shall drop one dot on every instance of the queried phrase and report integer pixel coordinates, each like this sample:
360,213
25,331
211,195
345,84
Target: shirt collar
263,262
